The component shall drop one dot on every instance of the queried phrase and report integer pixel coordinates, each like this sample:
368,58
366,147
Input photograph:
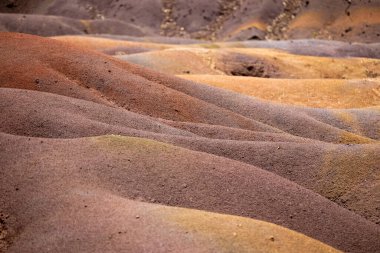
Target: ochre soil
318,93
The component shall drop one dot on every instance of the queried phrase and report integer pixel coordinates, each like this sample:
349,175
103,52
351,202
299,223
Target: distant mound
56,25
255,62
354,20
319,93
61,68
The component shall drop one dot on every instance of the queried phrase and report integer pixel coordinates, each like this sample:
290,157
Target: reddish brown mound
91,76
321,167
147,170
285,140
155,229
31,116
64,69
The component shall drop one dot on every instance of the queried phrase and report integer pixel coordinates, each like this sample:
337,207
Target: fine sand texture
120,143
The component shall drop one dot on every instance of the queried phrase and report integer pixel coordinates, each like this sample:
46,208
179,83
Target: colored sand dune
173,126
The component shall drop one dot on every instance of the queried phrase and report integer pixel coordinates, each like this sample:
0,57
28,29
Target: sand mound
226,19
66,70
134,135
161,229
87,218
140,169
304,161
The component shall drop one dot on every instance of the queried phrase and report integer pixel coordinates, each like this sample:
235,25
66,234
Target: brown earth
346,20
144,170
312,171
53,25
87,138
256,145
95,204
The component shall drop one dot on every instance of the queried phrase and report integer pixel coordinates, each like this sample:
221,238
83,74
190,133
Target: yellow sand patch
340,174
310,19
177,61
349,119
237,234
350,138
318,20
318,93
252,24
102,43
117,142
359,16
87,24
209,46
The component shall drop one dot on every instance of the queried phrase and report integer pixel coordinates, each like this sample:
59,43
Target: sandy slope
146,170
81,210
86,138
304,161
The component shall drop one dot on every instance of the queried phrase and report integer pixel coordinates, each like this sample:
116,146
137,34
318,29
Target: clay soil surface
185,130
